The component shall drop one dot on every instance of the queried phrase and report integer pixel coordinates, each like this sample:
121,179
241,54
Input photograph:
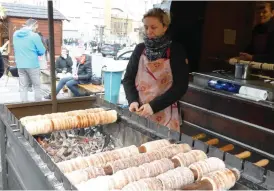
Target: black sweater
268,55
179,70
62,63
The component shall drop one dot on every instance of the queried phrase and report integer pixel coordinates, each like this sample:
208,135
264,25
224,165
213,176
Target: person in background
43,59
64,64
157,73
261,48
82,75
28,46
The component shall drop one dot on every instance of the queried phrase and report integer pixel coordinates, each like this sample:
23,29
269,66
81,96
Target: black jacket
268,55
62,63
180,78
84,71
1,65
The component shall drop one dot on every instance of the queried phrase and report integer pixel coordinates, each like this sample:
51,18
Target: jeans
28,76
70,83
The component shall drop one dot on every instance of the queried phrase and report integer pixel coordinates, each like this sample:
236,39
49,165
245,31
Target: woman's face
153,27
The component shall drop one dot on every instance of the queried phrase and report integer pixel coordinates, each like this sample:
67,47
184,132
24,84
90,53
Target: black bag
13,71
96,81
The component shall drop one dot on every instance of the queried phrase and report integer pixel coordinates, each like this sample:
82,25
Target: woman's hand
134,106
75,77
145,110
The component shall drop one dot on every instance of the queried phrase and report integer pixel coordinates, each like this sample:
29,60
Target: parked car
117,47
124,54
108,50
125,49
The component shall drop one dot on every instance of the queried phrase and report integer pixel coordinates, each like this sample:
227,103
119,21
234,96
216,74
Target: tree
2,12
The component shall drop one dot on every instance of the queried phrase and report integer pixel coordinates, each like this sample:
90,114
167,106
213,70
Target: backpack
96,80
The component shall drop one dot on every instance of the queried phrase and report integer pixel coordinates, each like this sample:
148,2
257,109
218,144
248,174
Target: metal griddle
27,166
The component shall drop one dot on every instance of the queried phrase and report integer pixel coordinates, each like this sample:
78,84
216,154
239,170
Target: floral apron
152,80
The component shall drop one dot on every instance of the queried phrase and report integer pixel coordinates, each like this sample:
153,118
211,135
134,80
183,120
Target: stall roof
30,11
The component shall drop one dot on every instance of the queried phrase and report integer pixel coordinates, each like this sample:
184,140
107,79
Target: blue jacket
27,47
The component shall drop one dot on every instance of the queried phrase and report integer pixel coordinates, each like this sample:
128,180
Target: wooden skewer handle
262,163
199,185
176,162
227,148
108,170
199,136
243,155
213,141
142,149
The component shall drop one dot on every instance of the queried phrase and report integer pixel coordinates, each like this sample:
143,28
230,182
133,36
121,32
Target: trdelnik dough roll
27,119
222,179
186,159
176,178
153,145
253,92
43,127
203,167
83,175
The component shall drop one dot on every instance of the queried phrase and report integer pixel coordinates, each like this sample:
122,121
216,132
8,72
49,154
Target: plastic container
225,86
112,76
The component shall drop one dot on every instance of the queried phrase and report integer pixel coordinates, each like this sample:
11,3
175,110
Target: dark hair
262,4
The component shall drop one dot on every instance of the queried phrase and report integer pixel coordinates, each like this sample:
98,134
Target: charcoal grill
26,165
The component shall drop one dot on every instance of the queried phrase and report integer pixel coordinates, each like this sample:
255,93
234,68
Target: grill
26,165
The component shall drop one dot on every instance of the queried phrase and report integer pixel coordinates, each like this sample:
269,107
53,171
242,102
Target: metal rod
3,143
52,56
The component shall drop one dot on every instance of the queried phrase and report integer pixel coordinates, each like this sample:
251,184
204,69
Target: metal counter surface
201,79
252,82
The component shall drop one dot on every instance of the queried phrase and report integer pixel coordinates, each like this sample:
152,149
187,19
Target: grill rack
253,177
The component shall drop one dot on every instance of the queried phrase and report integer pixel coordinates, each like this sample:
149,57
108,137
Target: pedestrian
64,64
157,73
28,46
82,75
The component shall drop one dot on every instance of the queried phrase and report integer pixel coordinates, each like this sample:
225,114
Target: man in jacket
64,64
27,47
82,75
261,48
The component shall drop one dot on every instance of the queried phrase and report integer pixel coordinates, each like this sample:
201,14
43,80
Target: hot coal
64,146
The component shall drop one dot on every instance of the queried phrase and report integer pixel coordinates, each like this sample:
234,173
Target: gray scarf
156,47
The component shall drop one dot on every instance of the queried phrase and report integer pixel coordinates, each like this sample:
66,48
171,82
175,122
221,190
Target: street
9,87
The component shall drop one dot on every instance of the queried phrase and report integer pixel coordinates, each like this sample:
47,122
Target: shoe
48,97
87,94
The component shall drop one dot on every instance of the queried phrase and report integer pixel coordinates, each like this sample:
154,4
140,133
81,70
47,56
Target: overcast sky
135,8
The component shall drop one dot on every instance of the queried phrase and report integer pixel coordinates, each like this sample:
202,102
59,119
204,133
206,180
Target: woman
157,74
